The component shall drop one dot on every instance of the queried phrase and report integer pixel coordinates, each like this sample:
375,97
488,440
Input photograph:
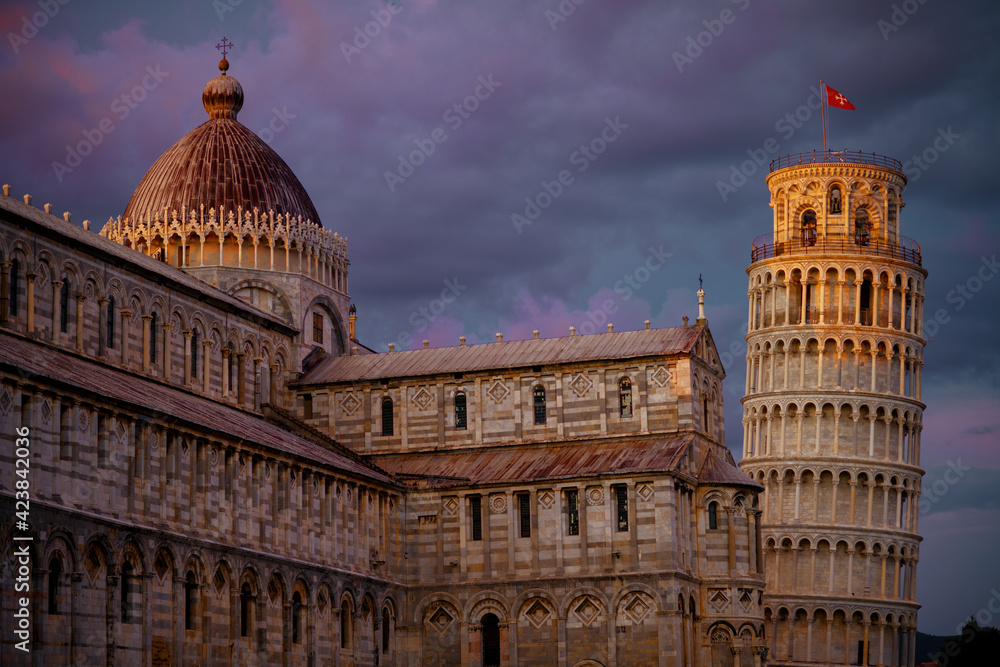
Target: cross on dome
224,46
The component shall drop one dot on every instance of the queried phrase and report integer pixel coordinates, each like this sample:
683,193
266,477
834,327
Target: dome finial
224,47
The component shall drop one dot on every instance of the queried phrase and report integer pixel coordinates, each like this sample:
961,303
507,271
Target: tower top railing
765,247
845,157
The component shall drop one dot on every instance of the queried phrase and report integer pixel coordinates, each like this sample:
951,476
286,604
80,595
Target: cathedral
202,464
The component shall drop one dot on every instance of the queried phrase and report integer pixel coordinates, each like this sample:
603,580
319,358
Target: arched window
539,401
64,305
190,599
625,398
55,572
862,227
111,323
246,610
297,608
345,624
835,200
15,286
386,416
460,414
713,515
809,227
152,339
491,640
386,620
194,353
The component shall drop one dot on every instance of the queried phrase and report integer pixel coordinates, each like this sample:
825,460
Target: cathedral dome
222,165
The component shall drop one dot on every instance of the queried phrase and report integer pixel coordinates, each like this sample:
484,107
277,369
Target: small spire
427,344
701,303
647,325
572,331
392,347
499,337
461,340
534,334
611,327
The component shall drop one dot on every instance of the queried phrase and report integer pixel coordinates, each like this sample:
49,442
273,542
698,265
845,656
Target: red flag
835,99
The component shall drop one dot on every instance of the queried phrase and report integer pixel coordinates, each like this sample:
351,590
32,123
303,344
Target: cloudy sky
679,94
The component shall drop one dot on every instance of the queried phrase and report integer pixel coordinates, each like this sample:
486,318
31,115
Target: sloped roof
137,262
54,367
534,463
720,468
513,354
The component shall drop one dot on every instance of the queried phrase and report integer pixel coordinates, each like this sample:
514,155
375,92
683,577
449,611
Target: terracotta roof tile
55,367
513,354
537,462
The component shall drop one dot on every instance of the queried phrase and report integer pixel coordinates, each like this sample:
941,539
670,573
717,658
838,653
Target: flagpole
822,113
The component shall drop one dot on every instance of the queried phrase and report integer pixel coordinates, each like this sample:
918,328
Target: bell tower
832,412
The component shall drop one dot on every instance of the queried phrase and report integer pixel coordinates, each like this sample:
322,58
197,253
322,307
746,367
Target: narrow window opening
573,511
524,513
190,600
387,416
307,406
713,516
55,572
152,338
386,621
111,323
64,306
127,584
476,513
835,200
862,227
809,228
194,353
246,610
460,413
866,302
621,508
296,618
345,625
318,328
539,403
625,398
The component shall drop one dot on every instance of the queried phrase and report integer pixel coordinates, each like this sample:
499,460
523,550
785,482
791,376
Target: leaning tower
832,413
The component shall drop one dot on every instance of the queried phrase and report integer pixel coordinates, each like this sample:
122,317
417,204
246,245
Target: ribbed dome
220,164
